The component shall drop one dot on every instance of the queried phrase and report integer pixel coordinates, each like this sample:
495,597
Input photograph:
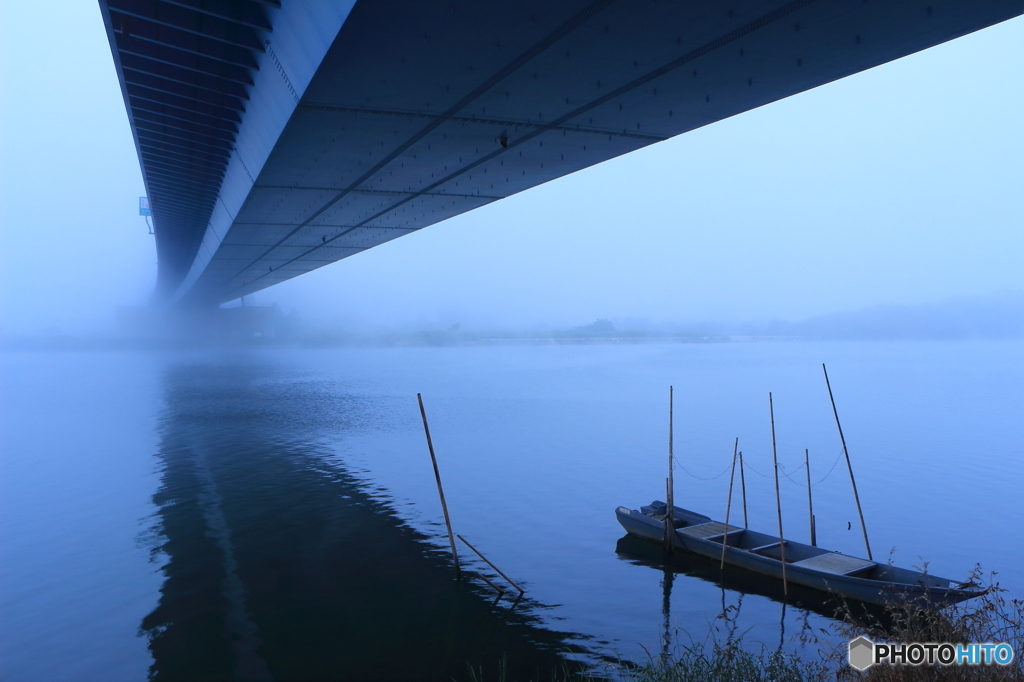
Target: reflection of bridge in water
278,136
279,564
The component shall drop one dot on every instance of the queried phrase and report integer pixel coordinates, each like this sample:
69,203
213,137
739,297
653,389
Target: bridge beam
303,134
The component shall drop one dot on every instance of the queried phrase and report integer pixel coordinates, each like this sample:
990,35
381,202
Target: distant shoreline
424,340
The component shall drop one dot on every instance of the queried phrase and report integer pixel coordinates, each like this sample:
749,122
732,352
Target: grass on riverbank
993,617
697,663
730,663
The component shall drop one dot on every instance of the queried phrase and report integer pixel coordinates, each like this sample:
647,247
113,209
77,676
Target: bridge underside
404,113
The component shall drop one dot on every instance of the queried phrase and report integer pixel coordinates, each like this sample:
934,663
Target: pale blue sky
898,185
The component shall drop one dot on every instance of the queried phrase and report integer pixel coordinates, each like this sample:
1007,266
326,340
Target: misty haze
537,218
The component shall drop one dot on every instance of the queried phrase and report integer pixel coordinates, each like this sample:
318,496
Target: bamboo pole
440,490
849,466
668,507
778,498
670,493
499,590
743,488
728,504
479,554
810,504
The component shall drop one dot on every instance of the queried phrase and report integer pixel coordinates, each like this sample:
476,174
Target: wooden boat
839,574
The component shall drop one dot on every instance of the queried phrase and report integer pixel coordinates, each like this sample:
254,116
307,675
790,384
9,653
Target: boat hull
912,587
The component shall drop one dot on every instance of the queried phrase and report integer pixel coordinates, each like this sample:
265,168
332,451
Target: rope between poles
699,478
747,466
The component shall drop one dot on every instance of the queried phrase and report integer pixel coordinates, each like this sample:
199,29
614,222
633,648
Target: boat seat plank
704,531
763,548
836,563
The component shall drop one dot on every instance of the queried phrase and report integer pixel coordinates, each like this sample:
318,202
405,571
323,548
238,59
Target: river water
272,513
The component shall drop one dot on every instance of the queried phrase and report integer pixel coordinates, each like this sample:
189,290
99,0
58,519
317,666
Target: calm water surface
272,514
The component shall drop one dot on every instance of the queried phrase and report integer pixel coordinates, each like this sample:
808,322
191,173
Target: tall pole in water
849,466
778,499
743,489
810,504
670,502
440,490
728,503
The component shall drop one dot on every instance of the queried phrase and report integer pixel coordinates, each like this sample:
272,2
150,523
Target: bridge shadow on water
279,563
